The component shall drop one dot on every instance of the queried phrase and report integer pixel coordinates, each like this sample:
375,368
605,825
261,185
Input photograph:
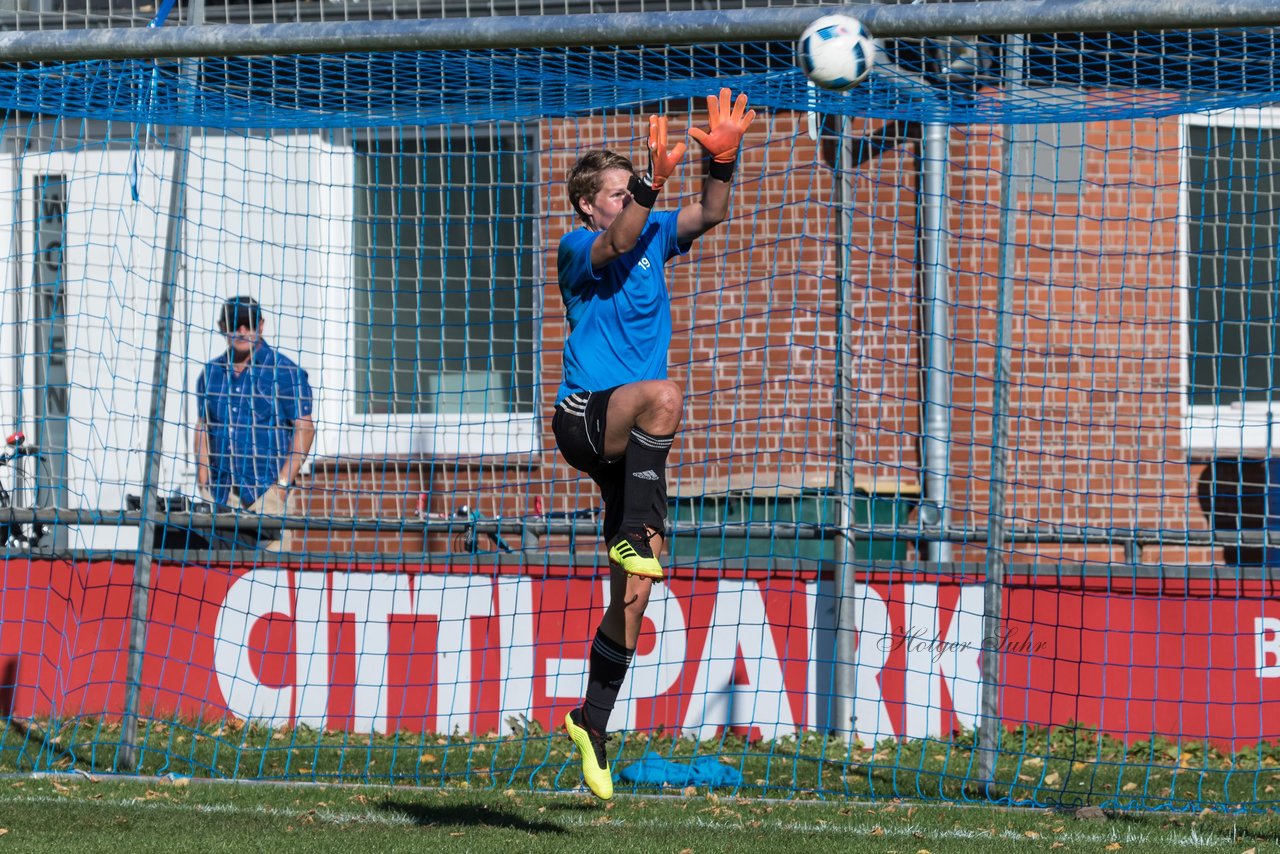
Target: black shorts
578,425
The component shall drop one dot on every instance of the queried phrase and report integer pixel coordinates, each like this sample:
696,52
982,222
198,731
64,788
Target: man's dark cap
240,311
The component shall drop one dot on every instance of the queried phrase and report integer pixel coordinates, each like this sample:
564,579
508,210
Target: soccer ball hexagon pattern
836,52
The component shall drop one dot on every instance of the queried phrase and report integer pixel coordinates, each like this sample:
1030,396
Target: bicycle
26,490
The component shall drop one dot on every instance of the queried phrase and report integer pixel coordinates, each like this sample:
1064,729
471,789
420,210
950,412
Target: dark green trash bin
882,502
761,510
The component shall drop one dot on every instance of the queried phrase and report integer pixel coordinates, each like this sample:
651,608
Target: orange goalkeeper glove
728,121
662,162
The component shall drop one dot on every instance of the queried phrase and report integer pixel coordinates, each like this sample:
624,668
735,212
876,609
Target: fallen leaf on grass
1052,779
1129,787
1030,834
1114,846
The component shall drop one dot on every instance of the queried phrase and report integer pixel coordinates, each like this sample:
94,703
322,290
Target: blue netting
1048,78
435,615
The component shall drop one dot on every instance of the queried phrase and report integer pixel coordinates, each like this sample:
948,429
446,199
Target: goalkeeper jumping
617,413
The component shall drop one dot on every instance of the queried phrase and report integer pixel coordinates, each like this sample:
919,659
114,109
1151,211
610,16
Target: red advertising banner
438,650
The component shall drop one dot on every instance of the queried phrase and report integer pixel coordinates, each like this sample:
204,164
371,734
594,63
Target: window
1232,213
1051,157
443,303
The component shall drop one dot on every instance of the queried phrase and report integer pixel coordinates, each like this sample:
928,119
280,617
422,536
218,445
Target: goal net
981,368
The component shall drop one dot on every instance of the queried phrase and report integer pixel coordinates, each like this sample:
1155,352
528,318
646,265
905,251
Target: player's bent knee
668,399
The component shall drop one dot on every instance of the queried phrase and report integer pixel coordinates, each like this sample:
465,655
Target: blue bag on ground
652,770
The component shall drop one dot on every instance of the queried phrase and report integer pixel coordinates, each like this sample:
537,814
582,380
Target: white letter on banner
515,640
921,688
811,639
454,600
311,634
739,621
961,655
657,671
251,597
370,598
875,641
1266,632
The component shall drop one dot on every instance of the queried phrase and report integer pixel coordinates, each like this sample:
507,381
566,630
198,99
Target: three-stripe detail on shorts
575,404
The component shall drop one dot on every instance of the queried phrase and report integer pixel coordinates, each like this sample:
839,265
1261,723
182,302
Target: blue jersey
619,315
249,419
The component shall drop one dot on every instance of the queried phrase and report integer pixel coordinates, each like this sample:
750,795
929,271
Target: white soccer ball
836,52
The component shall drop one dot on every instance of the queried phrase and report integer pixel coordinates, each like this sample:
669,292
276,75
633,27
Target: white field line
1190,838
388,818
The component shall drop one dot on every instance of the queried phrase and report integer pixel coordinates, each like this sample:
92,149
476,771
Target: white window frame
349,433
1246,428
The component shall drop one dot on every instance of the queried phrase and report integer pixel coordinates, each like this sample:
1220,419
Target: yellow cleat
595,762
633,554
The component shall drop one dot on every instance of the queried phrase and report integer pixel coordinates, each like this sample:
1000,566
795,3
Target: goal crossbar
648,28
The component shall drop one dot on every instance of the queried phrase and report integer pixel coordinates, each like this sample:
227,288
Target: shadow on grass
466,815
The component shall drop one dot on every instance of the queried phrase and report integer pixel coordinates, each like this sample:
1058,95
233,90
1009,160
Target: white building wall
267,217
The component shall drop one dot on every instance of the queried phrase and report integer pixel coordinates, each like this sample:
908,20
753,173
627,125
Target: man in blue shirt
616,412
254,428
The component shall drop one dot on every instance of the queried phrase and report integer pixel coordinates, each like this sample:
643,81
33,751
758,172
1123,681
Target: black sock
646,473
607,667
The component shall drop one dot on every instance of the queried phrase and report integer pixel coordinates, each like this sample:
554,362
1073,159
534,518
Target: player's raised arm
727,121
624,202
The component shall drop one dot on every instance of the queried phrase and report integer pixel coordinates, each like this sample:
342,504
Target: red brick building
1097,397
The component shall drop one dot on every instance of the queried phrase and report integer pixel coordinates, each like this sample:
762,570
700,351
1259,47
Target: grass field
516,792
1067,767
78,813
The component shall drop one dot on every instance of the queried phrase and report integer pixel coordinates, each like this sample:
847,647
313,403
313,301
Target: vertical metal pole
846,648
937,295
19,219
993,587
172,269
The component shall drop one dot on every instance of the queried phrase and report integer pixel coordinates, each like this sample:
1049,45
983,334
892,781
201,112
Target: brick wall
1094,334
